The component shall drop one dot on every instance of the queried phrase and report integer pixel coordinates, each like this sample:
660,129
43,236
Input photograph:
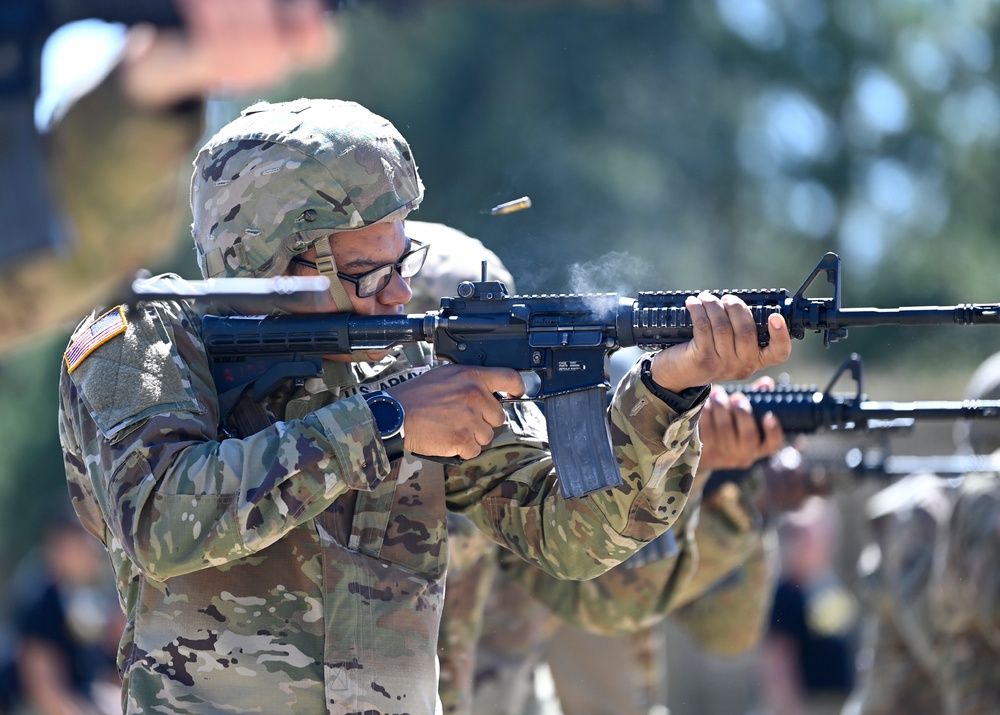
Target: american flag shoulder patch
101,331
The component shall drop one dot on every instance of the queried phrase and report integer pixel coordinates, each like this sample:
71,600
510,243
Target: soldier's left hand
723,346
731,437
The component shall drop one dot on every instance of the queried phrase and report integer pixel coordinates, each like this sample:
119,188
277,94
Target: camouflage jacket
967,598
704,551
713,570
907,661
295,569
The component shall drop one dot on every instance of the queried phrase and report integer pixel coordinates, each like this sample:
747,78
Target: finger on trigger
505,380
494,414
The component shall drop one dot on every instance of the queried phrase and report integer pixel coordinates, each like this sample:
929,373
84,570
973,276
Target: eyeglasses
377,279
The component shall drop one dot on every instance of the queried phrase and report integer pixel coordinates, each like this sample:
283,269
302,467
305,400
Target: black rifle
564,339
807,410
876,463
804,409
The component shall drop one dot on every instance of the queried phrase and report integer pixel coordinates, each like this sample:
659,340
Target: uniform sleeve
729,532
967,593
511,491
724,599
710,550
138,418
622,600
118,176
731,617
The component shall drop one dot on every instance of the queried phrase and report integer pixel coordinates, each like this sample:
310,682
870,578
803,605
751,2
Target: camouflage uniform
968,599
116,172
454,257
714,577
905,671
295,568
968,590
934,644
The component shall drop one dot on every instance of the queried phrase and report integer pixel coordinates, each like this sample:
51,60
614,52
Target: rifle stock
564,339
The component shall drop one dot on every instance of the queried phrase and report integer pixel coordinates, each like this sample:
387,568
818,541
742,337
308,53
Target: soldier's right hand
451,410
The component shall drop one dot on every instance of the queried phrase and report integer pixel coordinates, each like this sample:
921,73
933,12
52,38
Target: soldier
601,638
967,596
455,257
115,154
294,560
522,620
929,647
624,601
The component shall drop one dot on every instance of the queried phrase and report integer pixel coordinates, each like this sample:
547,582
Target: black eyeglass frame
397,267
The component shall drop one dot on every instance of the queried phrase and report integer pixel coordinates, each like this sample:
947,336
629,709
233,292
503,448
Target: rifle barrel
950,465
965,314
804,411
931,410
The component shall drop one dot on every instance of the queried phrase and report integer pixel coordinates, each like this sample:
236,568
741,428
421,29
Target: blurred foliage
670,145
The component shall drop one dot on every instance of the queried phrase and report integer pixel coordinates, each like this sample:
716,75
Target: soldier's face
356,253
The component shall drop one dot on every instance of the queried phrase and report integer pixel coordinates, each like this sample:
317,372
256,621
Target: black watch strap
677,401
393,447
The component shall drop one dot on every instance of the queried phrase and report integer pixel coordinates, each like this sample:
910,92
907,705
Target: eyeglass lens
378,279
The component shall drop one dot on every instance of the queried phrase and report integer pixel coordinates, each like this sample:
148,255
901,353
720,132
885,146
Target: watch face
388,414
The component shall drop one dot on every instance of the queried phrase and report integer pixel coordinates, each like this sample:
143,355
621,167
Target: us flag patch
104,328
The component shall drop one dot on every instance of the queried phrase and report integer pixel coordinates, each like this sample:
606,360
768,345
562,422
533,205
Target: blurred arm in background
117,147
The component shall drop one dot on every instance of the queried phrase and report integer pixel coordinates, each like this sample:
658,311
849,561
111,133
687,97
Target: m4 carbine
805,410
808,410
563,339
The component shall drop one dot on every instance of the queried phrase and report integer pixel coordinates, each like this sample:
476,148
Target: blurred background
665,144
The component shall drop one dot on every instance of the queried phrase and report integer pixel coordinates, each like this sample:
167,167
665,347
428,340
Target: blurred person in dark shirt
807,657
65,623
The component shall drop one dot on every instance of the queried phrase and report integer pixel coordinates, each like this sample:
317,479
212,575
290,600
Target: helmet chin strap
327,266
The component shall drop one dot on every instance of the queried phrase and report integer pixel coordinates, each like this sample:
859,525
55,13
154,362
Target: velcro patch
103,329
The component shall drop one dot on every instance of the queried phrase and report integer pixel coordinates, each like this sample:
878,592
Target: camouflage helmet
453,257
272,181
981,436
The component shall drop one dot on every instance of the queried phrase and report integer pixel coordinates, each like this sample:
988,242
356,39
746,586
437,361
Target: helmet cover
272,181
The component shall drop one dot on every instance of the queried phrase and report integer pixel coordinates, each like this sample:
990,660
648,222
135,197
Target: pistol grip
580,441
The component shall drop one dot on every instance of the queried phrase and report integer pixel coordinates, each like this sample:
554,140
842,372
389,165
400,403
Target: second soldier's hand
451,410
731,437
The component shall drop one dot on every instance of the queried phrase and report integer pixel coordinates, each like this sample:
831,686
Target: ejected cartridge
511,206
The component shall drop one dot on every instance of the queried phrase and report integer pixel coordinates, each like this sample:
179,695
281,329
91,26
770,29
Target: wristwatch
677,401
388,414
